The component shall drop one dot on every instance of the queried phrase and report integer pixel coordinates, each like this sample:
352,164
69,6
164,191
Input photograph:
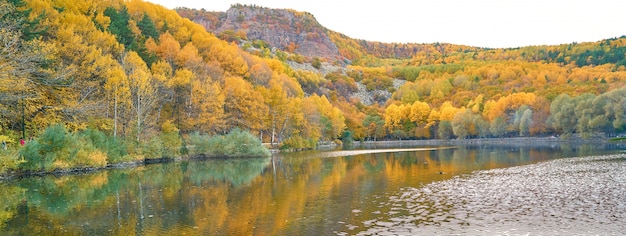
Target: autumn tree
118,92
30,82
419,113
207,104
244,107
143,90
279,111
375,126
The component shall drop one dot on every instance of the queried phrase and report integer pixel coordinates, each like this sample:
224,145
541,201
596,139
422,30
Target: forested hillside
152,79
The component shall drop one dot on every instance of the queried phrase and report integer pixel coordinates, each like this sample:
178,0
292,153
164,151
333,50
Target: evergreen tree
147,27
19,18
119,25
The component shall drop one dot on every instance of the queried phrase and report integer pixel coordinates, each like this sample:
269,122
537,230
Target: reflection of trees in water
11,199
210,194
238,172
132,193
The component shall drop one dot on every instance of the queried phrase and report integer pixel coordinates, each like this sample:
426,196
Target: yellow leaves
132,25
162,71
510,102
136,68
447,111
395,115
97,159
244,106
332,115
433,118
183,77
260,74
188,57
183,34
290,85
419,113
102,20
168,127
207,102
476,104
275,65
151,45
168,48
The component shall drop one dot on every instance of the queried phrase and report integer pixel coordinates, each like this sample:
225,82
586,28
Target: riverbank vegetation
57,149
130,80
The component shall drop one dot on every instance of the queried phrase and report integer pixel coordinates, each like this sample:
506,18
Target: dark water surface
408,190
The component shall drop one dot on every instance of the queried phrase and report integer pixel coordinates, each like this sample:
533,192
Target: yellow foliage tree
419,113
244,106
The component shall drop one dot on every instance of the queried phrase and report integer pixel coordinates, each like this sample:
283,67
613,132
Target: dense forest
109,81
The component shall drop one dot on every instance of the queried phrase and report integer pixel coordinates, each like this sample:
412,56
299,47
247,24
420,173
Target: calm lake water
480,189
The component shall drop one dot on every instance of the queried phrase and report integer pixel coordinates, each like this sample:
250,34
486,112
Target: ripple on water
564,196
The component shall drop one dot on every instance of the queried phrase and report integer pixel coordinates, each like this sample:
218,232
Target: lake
384,190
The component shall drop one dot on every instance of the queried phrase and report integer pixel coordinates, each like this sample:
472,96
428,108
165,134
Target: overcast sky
484,23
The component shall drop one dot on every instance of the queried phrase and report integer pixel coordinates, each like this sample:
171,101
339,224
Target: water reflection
298,193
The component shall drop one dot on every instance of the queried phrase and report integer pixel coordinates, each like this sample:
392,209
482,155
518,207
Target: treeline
519,114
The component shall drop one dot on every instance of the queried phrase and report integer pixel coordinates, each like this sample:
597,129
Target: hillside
287,30
144,74
300,33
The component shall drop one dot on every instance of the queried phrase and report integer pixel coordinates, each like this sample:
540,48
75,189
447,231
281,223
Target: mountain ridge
300,33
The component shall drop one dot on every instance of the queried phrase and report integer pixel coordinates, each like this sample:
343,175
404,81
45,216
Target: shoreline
517,141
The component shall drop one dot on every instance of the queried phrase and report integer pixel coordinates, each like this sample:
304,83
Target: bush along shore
58,151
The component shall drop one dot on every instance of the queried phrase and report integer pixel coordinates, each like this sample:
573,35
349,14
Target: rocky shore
569,196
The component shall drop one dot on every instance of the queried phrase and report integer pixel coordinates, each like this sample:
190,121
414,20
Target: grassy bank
60,151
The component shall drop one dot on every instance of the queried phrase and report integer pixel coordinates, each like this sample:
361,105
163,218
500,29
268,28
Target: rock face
288,30
369,97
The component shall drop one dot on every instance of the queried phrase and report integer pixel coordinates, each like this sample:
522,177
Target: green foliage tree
147,27
525,122
119,25
498,127
444,129
563,116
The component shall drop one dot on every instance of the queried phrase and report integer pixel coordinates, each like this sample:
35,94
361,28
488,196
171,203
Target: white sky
484,23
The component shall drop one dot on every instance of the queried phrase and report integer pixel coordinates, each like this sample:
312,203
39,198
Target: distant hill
300,33
287,30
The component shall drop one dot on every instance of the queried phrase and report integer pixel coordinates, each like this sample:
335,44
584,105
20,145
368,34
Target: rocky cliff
287,30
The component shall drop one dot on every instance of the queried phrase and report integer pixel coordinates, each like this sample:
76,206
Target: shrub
347,138
240,143
172,144
198,143
115,149
297,142
153,148
40,154
9,160
237,143
58,149
97,159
